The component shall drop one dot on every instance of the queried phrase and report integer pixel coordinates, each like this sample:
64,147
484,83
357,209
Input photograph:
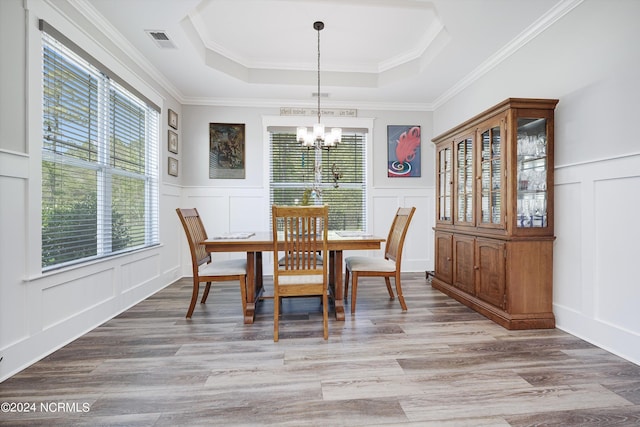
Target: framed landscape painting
403,151
226,151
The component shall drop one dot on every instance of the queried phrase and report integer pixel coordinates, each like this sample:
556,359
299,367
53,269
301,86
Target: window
292,177
99,160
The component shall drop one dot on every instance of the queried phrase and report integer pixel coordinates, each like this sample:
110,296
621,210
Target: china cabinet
494,213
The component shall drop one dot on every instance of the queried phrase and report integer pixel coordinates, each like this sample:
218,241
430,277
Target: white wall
243,204
42,312
589,60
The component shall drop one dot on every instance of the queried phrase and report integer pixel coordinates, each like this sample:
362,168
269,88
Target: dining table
254,244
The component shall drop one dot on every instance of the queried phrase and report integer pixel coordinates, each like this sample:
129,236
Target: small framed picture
173,166
173,119
173,142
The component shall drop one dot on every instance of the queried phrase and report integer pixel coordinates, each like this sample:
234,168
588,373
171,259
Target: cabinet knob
475,267
448,258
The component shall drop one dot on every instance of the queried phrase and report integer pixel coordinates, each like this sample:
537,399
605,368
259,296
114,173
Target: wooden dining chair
301,233
386,267
203,267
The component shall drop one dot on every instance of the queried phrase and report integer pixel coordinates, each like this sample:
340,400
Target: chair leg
389,289
399,291
354,290
325,315
206,293
243,294
194,297
346,282
276,315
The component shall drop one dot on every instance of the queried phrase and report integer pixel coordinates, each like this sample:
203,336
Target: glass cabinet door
532,173
445,180
464,180
491,176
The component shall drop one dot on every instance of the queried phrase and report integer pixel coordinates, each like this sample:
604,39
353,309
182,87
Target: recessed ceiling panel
359,36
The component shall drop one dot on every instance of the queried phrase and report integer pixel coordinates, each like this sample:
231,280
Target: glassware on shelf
444,178
532,174
532,211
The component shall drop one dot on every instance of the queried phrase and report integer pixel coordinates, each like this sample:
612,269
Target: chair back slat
196,233
398,232
299,230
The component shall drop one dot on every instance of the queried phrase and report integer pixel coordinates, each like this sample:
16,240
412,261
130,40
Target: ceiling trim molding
105,27
530,33
278,103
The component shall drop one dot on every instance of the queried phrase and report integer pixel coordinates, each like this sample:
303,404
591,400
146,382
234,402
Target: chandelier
316,137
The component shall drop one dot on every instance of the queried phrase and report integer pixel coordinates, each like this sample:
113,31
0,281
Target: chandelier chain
317,138
319,28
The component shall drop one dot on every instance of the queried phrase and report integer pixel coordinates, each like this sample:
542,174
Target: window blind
292,172
99,162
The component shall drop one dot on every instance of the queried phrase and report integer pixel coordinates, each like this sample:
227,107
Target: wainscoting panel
568,285
225,210
595,260
68,299
13,227
617,214
139,271
418,249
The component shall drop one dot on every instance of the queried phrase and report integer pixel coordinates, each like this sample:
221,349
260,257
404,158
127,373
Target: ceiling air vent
161,39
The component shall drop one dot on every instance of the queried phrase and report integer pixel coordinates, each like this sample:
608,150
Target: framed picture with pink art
403,151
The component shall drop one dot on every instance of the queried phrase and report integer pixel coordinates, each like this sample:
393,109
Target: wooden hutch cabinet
494,213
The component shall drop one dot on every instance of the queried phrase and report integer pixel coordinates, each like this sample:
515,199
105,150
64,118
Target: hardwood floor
438,364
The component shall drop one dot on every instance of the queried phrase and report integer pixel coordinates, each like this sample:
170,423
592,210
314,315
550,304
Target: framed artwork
173,166
226,151
173,119
173,142
403,151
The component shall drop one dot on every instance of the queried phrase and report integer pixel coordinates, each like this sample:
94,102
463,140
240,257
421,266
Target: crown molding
278,103
530,33
92,15
535,29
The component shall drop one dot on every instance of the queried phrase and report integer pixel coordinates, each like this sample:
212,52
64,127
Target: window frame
147,175
364,125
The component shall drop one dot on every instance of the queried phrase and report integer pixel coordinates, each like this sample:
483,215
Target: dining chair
300,232
387,267
204,268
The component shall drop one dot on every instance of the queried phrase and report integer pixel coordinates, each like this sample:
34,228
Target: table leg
335,267
250,305
258,275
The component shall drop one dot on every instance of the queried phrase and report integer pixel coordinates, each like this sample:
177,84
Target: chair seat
229,267
362,263
301,279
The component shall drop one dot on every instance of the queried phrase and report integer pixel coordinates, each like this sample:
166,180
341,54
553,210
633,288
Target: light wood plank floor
439,364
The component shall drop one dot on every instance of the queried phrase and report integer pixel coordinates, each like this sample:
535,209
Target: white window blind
292,172
99,161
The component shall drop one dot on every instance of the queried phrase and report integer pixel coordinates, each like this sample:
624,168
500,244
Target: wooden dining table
260,242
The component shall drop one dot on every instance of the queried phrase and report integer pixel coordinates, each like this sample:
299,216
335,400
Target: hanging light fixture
317,138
